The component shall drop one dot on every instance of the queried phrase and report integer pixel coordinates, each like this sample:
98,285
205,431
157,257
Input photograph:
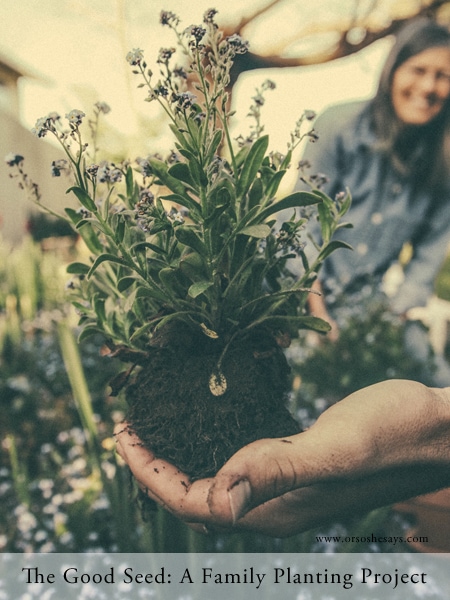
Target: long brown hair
404,144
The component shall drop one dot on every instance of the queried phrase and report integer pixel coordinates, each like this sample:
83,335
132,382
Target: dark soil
175,415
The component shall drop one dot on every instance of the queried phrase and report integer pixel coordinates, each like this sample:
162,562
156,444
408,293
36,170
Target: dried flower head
168,18
58,166
12,159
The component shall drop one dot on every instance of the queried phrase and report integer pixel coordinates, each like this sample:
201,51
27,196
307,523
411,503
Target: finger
162,481
257,473
267,469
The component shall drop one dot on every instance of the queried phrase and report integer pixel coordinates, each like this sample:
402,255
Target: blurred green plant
58,459
370,349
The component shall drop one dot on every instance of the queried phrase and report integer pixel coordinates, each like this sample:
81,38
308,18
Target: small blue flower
197,33
165,54
58,166
168,18
237,44
12,159
75,118
208,16
103,107
41,127
92,170
135,57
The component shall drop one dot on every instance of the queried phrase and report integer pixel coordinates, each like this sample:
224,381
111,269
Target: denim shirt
387,210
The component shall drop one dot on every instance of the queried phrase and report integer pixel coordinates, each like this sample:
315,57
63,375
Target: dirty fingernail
239,496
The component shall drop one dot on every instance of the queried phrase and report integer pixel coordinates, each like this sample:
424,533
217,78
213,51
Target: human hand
319,309
380,445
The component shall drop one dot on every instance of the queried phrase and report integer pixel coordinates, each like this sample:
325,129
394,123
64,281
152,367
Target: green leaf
142,245
331,247
127,307
257,231
242,155
180,137
106,258
87,233
73,215
301,322
326,221
186,201
140,331
181,171
99,308
93,223
160,169
255,194
286,161
198,288
197,173
215,142
126,282
274,183
77,268
345,204
129,181
252,164
83,198
119,228
169,277
193,267
344,226
297,199
188,237
154,293
88,332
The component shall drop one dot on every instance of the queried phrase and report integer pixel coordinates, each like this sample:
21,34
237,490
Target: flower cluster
135,57
13,160
108,173
237,45
289,236
169,18
45,124
58,166
144,209
194,237
255,109
24,181
75,118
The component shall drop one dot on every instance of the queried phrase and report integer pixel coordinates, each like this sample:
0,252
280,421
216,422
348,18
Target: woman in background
393,154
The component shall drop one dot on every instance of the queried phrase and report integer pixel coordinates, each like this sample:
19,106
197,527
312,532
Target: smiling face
421,86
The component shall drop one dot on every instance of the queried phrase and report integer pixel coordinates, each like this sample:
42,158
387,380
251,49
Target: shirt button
376,218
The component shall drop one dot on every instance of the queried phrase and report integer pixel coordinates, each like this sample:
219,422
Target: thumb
230,497
258,472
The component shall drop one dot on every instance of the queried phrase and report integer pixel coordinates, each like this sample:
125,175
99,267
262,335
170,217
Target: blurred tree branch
350,33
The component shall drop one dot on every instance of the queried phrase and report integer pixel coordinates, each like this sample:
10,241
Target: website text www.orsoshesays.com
371,539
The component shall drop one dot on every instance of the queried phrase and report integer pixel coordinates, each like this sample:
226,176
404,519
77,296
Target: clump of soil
174,413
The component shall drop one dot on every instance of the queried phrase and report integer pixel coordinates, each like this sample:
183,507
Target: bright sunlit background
75,53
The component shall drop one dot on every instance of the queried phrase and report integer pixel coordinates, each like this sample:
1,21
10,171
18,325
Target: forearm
316,302
389,424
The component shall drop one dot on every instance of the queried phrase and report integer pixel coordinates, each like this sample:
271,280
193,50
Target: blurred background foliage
62,488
